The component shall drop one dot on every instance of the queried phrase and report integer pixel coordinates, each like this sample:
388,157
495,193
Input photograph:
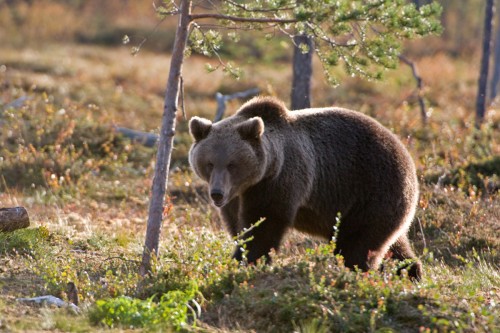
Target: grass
87,191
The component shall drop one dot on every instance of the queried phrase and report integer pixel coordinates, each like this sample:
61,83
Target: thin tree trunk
302,73
496,63
166,139
483,74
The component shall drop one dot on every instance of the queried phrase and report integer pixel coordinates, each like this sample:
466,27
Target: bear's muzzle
217,197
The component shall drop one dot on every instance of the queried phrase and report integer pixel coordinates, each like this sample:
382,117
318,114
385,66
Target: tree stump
13,218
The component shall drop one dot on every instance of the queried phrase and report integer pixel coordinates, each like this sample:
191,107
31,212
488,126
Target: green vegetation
365,37
26,241
170,311
86,189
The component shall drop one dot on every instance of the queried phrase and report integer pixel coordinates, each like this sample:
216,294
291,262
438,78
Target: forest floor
87,190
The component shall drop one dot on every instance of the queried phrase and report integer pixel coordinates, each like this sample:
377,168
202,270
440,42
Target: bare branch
242,19
239,28
203,6
212,6
418,78
256,10
136,49
288,34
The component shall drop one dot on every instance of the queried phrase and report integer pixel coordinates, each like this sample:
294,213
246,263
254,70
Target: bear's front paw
238,254
251,257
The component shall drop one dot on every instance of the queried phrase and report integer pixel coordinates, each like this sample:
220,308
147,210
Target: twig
214,26
136,49
257,10
215,52
242,19
422,232
417,77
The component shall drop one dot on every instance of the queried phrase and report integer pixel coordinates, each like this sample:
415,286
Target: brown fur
299,169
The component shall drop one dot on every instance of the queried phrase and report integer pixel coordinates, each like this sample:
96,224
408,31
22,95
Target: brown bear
299,169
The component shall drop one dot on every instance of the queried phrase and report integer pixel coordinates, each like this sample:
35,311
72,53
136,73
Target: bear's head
228,155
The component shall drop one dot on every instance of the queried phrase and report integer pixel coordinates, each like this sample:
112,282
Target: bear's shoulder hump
268,108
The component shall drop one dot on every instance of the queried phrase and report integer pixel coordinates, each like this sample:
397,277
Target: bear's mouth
218,203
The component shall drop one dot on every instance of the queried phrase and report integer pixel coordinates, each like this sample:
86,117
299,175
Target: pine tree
363,35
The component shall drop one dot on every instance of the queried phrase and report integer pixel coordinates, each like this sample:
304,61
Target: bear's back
271,110
353,153
346,132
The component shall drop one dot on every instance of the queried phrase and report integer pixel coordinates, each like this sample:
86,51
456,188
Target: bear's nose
217,196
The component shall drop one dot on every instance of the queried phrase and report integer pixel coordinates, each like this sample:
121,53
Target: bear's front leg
267,235
230,213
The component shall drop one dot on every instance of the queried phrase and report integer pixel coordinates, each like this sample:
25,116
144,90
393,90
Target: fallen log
144,138
49,300
13,218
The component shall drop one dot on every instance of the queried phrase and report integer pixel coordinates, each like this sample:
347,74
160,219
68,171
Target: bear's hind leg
354,251
363,249
401,250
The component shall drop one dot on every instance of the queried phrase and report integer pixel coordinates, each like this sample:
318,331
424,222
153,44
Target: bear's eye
231,166
210,166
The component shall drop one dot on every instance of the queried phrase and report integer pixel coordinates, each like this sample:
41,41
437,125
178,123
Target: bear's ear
199,128
251,129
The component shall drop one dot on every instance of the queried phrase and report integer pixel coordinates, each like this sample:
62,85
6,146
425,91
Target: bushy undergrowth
193,283
61,149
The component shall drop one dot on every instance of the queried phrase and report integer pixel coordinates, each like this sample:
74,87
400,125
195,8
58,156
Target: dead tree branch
242,19
222,99
419,81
